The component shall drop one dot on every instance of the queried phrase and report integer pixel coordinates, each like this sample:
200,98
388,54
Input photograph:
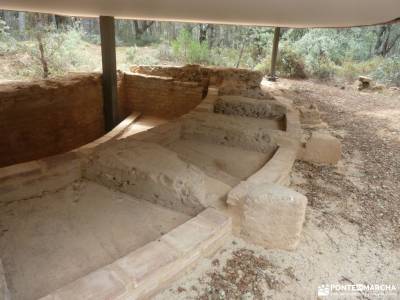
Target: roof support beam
272,75
110,97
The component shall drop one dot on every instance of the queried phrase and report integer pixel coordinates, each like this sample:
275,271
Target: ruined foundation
208,153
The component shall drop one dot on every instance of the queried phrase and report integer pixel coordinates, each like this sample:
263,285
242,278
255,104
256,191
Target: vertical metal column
272,75
110,97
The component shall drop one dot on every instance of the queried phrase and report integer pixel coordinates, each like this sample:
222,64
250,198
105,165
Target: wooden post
272,75
110,97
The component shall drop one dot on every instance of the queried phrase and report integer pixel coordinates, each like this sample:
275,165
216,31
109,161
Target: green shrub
188,50
290,64
321,67
131,54
388,72
264,66
146,39
64,51
351,70
7,42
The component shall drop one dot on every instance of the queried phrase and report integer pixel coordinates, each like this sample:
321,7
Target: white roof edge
284,13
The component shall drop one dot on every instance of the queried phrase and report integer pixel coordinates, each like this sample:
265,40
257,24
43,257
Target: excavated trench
132,190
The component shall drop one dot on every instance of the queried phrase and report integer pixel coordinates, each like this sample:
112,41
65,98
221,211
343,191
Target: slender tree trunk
42,58
21,23
240,54
203,33
211,37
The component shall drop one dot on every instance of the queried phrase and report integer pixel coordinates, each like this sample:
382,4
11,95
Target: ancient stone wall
160,96
43,118
228,80
48,117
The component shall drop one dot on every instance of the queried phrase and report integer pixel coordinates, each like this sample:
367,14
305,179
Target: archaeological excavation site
119,184
200,153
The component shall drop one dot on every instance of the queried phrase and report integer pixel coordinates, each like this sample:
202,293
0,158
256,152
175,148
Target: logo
366,290
323,290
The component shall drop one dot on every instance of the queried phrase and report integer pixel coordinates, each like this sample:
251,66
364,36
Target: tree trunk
21,23
203,33
139,31
240,54
42,58
211,36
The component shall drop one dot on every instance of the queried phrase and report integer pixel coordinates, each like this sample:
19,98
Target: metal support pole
272,75
110,97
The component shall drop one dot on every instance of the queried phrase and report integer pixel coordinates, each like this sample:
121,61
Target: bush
188,50
388,72
290,64
7,42
321,67
145,40
351,70
64,51
131,54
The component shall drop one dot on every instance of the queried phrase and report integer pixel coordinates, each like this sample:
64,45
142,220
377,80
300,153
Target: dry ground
352,229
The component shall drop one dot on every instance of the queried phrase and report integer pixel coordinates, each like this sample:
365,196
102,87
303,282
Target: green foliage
7,42
327,43
319,53
290,64
388,72
350,70
131,54
92,38
145,40
321,67
188,50
63,51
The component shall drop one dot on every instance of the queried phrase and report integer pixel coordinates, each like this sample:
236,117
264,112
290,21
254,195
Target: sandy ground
352,231
49,241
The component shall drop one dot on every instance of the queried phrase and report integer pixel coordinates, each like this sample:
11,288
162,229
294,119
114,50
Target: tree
140,30
203,32
387,38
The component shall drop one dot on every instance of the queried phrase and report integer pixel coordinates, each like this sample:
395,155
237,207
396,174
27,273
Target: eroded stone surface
271,215
151,172
248,107
321,148
246,133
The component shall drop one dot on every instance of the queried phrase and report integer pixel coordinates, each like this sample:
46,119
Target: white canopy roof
285,13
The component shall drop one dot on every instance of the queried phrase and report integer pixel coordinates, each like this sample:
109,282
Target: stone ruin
222,163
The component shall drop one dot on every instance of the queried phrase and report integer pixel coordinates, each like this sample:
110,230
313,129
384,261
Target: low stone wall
160,96
43,118
147,270
228,80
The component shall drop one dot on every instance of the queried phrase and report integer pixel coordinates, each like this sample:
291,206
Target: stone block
321,148
310,115
200,233
146,260
188,237
150,172
103,284
273,216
